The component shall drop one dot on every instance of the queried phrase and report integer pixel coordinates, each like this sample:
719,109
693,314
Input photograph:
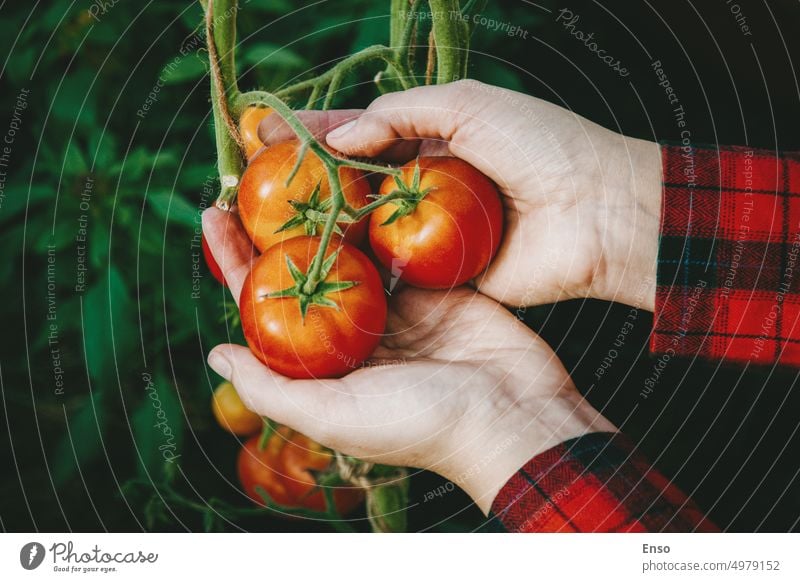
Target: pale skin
458,385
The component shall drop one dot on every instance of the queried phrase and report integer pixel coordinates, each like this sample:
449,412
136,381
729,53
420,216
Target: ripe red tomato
265,203
232,414
211,263
450,235
331,340
248,128
284,470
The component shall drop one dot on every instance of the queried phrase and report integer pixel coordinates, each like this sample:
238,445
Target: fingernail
220,364
342,129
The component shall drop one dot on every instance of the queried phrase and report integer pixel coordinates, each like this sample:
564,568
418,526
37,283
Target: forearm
728,277
595,483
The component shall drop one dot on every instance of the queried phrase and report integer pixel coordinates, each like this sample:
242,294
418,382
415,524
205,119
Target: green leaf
273,56
173,207
74,160
158,425
183,69
20,66
293,222
63,234
107,304
82,441
102,149
18,196
98,244
76,105
399,213
328,264
269,6
331,287
141,161
266,433
323,301
305,300
296,273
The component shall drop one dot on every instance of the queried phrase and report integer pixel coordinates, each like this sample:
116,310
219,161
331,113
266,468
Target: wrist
515,437
634,224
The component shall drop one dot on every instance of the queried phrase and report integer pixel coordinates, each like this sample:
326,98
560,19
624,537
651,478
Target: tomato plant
211,263
324,331
232,414
272,212
444,229
248,128
285,468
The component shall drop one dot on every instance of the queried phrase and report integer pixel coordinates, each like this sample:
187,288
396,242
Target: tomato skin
231,413
330,342
264,198
452,234
248,128
212,264
284,468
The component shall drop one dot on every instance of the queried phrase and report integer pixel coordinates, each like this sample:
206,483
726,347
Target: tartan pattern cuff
595,483
728,283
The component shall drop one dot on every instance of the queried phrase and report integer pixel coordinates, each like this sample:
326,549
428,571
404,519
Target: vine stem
451,35
371,53
221,39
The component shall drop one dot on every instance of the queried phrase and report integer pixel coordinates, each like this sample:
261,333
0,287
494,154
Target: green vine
221,40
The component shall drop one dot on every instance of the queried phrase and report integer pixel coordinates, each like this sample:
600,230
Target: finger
273,129
434,112
305,405
230,246
433,148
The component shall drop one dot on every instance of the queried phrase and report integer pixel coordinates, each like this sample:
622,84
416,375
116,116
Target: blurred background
108,159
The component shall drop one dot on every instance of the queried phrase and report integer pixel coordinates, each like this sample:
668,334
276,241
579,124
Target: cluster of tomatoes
440,227
285,464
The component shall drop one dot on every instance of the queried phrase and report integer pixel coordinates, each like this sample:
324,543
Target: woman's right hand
582,203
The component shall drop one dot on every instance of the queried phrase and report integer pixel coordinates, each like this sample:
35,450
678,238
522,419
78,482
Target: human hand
582,203
458,385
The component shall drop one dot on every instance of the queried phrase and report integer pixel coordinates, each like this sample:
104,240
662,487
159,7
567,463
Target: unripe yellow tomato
231,413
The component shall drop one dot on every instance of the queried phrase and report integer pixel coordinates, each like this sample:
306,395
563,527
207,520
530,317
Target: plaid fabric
595,483
728,273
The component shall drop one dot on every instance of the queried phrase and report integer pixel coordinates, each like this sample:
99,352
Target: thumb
396,122
310,406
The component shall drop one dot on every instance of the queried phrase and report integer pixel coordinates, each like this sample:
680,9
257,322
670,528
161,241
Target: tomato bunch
285,466
308,313
438,226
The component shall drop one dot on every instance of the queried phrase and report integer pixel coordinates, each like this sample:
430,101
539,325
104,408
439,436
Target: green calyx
318,296
406,197
311,215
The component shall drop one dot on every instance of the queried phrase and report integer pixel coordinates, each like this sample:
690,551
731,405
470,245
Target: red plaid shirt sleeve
595,483
728,282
